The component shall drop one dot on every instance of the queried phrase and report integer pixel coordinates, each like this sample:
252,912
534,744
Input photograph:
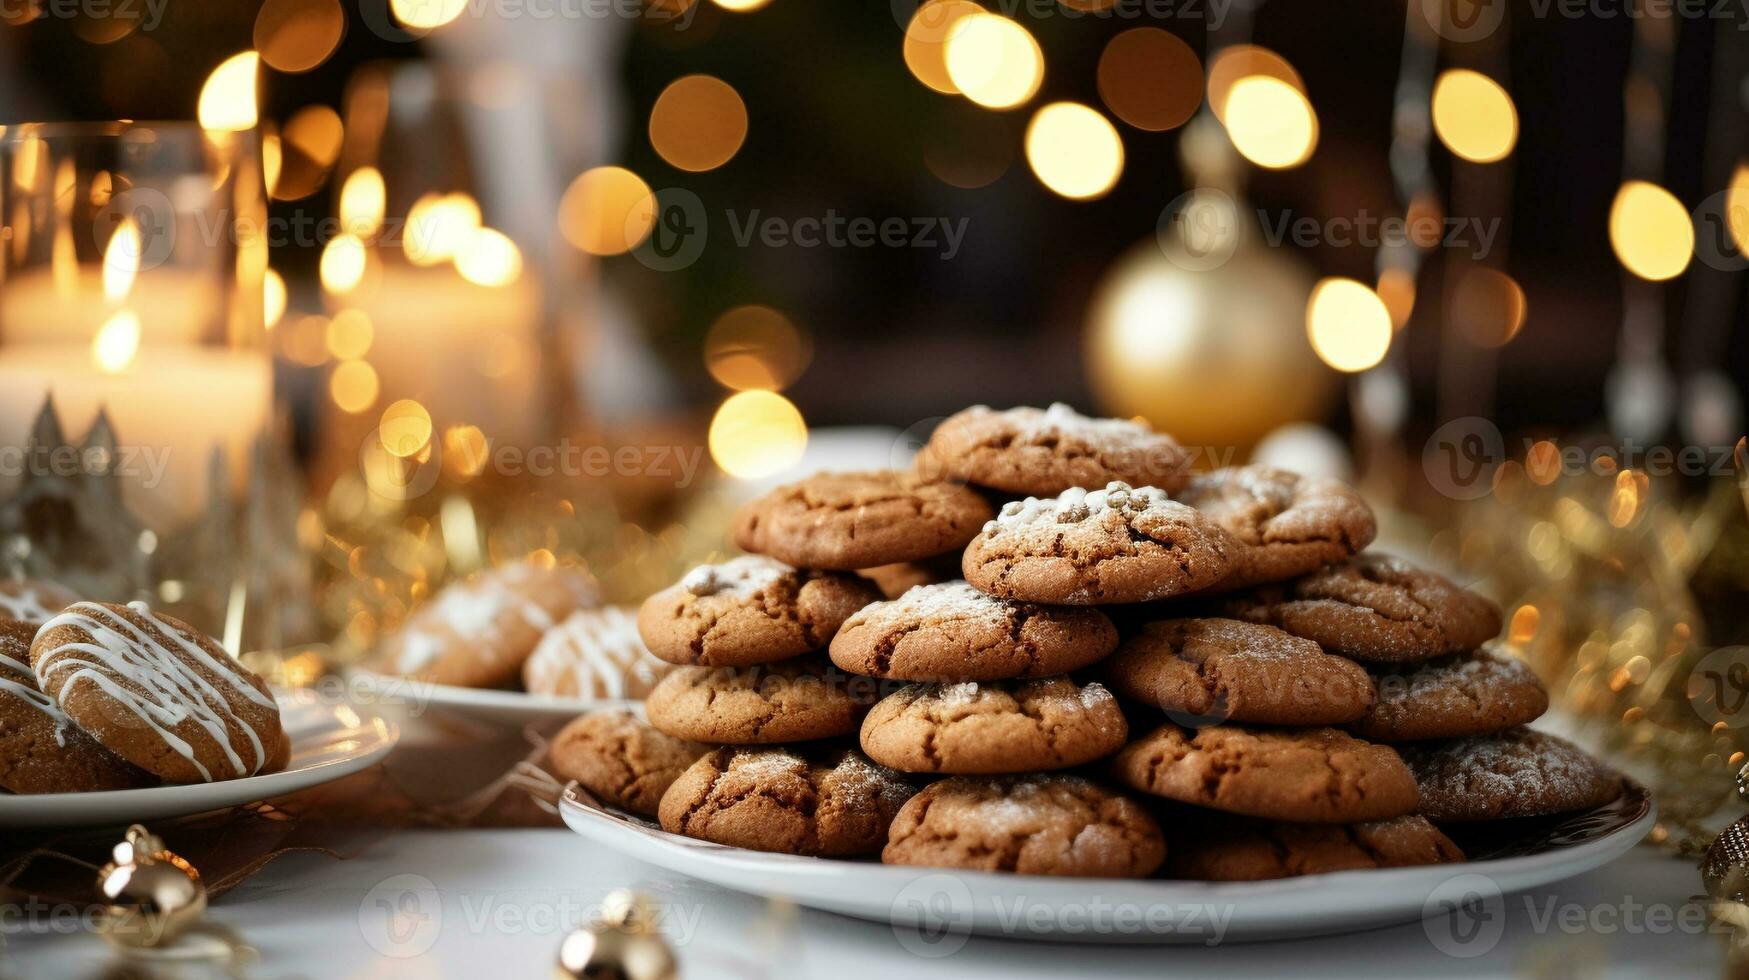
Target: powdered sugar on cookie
739,577
1078,504
595,653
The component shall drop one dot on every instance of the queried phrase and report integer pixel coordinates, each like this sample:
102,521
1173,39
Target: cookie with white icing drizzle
596,653
159,693
33,602
41,750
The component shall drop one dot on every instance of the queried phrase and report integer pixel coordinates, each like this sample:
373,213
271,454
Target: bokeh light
349,335
1487,307
1397,289
427,14
1348,324
1651,231
1150,79
741,6
405,428
756,434
309,146
342,265
1474,116
228,98
438,226
925,46
117,342
1074,150
607,211
1270,122
755,347
353,386
298,35
1238,61
489,258
994,61
698,123
273,298
363,199
1737,207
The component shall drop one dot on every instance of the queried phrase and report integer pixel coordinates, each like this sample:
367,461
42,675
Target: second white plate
403,696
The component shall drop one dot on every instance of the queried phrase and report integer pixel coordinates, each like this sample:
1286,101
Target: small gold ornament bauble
1725,869
624,945
154,896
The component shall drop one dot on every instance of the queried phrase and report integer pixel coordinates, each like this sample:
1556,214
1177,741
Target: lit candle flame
117,343
362,200
121,261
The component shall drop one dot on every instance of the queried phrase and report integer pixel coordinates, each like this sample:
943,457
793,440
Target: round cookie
847,521
621,759
953,632
594,653
32,602
749,610
1001,727
478,633
1286,524
1229,849
1515,773
1044,452
793,701
1310,775
898,578
159,693
1119,544
1203,670
1374,607
1470,694
41,750
1036,825
835,804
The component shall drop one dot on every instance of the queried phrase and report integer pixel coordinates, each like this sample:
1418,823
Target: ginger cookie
1374,607
478,633
793,701
1044,452
1206,670
594,653
953,632
1119,544
847,521
32,602
1000,727
749,610
898,578
1470,694
159,693
41,750
621,759
1286,524
1310,775
1515,773
830,804
1033,824
1238,849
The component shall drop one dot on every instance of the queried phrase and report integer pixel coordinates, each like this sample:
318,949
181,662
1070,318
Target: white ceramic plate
931,906
328,742
408,698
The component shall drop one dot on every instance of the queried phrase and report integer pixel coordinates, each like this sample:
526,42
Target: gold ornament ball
1215,354
154,896
625,945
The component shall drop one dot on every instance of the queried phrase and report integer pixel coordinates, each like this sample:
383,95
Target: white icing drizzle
25,605
601,655
475,610
29,694
164,689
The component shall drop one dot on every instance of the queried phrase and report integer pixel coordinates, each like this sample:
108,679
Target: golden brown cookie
1034,825
1238,849
898,578
159,693
953,632
1515,773
33,602
1044,452
749,610
622,759
1118,544
1204,670
847,521
1373,607
1286,524
793,701
998,727
1470,694
594,653
41,750
1308,775
478,633
832,804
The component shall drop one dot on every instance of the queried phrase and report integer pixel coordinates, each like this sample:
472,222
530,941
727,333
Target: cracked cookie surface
1309,775
833,804
1373,607
1469,694
1118,544
1236,849
622,759
1515,773
1286,524
749,610
847,521
953,632
1043,452
1203,670
793,701
1040,825
990,728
